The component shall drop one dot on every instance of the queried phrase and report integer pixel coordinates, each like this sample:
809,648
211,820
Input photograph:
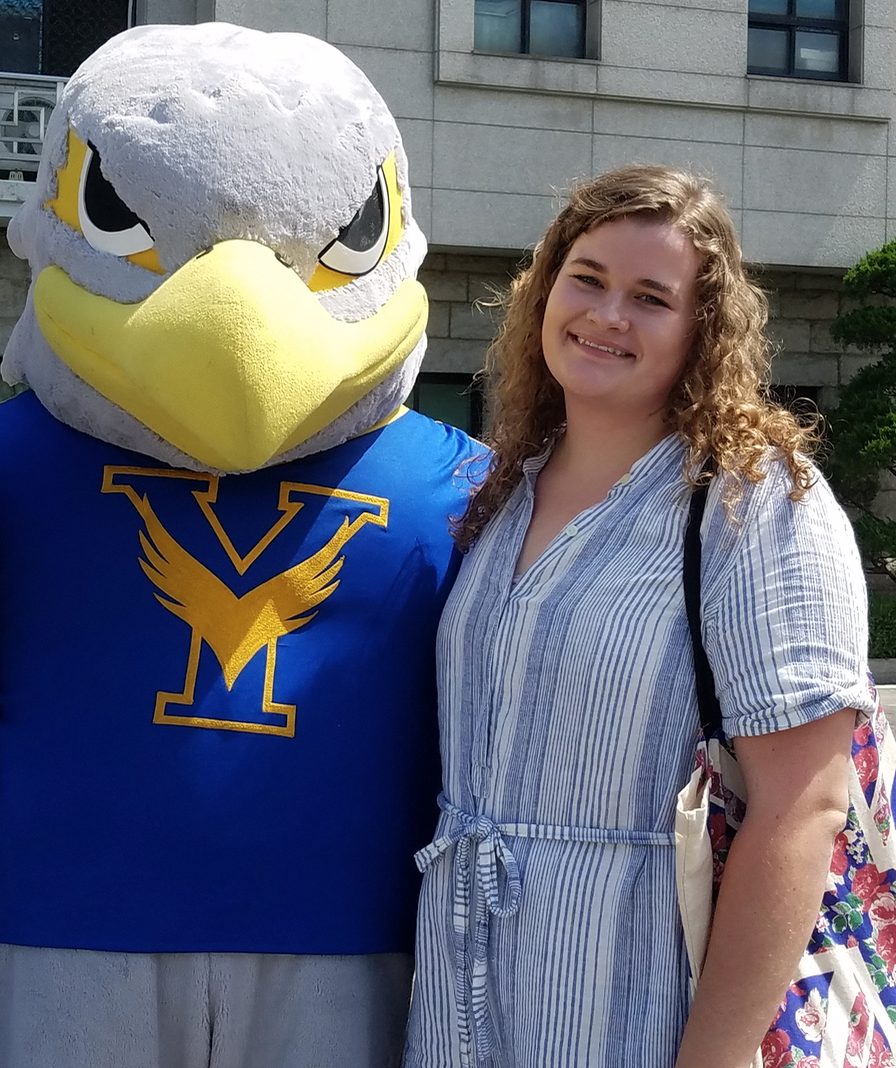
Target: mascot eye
107,222
359,246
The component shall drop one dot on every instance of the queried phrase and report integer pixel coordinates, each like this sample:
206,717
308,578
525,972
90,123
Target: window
450,398
799,38
20,35
54,37
530,27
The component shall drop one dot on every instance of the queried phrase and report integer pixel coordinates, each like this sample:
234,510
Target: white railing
26,102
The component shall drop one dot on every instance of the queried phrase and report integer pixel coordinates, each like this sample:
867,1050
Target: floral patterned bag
840,1009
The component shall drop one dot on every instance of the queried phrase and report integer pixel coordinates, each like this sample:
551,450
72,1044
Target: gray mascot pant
70,1008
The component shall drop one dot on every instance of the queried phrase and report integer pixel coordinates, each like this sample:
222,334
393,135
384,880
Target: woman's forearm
771,891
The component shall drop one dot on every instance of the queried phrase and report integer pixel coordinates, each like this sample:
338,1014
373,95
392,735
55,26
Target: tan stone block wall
461,290
803,305
14,278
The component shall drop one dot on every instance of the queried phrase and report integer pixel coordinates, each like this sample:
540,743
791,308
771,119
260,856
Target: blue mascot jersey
217,701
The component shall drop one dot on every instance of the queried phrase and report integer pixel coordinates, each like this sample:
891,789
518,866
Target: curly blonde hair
718,405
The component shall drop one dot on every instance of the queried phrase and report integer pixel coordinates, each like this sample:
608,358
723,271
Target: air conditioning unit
22,129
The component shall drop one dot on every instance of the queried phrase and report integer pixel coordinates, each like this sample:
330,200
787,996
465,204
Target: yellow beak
233,360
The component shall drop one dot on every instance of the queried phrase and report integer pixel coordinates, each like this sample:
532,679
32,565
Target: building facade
503,104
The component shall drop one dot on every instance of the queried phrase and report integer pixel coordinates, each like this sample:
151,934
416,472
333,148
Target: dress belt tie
484,838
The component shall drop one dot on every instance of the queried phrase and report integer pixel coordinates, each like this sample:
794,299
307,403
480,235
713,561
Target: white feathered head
222,248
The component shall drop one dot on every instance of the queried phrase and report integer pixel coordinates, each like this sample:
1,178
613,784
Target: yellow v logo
235,627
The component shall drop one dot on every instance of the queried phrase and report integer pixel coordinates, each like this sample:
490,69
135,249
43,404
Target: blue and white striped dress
548,934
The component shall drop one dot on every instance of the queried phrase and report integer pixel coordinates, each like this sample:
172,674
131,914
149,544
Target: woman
549,936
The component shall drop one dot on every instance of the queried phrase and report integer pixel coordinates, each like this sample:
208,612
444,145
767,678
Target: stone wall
461,320
13,289
803,304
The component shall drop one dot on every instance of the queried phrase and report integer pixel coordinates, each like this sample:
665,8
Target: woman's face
620,318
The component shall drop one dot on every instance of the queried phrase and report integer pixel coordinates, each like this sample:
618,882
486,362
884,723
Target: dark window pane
817,9
817,52
767,50
497,26
25,8
557,29
802,401
449,402
20,26
73,31
768,7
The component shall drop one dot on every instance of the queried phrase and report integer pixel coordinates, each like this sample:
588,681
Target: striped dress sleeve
785,608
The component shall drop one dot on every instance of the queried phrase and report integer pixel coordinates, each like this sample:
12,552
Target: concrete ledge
575,77
12,196
884,672
887,695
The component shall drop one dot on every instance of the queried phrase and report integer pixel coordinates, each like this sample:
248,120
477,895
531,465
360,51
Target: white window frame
457,62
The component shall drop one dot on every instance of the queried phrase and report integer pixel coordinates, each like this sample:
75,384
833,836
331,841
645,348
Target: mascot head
223,251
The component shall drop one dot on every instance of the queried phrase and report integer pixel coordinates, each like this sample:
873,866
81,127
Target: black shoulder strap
708,702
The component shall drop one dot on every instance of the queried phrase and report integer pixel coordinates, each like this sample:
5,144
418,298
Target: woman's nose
608,309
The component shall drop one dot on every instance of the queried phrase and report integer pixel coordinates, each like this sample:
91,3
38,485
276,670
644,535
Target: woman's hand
774,879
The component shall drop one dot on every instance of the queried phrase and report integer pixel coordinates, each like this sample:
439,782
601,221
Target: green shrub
862,428
881,626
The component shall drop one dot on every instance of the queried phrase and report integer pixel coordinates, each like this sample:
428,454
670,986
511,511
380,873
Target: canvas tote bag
840,1009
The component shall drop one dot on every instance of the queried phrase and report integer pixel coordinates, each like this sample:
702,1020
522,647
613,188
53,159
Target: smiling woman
631,354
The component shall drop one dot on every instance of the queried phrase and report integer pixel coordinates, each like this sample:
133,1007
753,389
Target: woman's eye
651,298
588,279
359,246
106,221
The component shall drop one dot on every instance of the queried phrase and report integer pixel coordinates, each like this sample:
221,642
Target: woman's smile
602,346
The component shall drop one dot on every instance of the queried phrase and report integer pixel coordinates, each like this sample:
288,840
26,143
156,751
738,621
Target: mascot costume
225,547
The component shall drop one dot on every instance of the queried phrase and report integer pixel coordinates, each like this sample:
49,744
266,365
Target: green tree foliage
862,428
